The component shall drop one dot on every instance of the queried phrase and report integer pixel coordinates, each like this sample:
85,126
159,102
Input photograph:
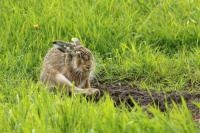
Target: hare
68,65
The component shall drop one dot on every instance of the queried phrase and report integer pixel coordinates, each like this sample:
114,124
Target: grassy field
152,44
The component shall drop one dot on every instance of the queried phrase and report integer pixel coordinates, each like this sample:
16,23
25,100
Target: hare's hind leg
63,82
54,78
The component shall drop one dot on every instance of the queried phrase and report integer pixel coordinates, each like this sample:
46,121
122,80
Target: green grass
152,44
36,110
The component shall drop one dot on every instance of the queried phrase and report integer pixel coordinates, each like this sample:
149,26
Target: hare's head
82,58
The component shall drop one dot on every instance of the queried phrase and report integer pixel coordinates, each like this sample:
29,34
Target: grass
152,44
36,110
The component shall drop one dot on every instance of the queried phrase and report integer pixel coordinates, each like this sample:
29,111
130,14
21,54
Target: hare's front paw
93,91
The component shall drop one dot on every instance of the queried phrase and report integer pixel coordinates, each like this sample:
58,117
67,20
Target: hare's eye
88,67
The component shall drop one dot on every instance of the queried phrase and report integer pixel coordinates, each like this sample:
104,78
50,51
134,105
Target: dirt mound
121,92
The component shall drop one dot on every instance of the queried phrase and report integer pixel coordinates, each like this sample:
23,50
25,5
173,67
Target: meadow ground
150,45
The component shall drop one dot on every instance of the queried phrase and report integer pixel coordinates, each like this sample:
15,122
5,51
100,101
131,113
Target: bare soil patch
122,92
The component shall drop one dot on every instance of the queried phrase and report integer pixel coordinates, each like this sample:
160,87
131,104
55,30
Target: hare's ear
76,41
59,45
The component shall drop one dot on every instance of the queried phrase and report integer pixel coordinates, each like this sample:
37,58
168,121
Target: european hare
67,63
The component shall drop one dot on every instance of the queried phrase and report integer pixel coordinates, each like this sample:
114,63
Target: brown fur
75,68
